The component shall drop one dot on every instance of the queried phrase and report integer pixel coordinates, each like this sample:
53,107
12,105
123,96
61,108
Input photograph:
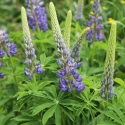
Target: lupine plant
107,80
69,61
50,75
6,48
29,50
79,10
95,33
36,13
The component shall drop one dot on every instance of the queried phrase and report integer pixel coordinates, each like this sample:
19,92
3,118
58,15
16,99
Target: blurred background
10,11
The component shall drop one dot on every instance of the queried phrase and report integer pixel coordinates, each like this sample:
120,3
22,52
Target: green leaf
68,113
117,110
49,113
113,116
41,107
107,123
58,115
52,90
120,82
5,119
43,84
23,118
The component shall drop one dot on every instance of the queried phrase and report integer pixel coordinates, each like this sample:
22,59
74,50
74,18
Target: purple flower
0,64
62,73
36,13
68,66
26,71
90,35
4,37
99,27
99,37
69,78
95,33
79,86
29,51
107,88
1,75
10,48
2,53
12,51
68,62
38,68
79,10
33,68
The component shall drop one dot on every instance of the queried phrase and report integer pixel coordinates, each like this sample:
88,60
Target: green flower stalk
76,49
60,44
107,80
68,77
79,10
68,29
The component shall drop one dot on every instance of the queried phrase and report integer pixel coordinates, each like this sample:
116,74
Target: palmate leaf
68,29
58,115
113,116
39,108
117,110
106,122
55,104
49,113
120,82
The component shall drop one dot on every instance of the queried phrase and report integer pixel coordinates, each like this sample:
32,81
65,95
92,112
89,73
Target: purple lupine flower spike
79,10
0,64
38,68
33,68
69,79
6,48
1,74
2,53
95,33
10,48
36,13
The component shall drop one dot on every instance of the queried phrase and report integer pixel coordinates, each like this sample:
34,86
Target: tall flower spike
68,29
107,80
75,54
6,48
36,13
79,10
29,49
60,44
95,33
68,77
